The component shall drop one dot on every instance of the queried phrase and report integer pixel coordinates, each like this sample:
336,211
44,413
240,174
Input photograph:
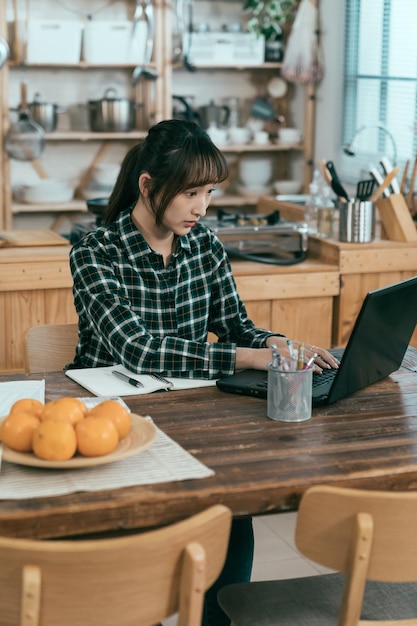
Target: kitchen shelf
82,65
93,136
73,206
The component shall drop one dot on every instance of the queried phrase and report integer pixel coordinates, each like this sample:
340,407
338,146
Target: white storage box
224,48
110,42
54,41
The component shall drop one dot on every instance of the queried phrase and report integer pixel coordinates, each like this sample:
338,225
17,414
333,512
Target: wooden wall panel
304,320
353,290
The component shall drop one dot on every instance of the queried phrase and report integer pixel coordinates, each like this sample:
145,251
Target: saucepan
112,114
45,113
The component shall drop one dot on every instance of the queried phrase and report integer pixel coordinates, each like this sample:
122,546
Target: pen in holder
289,393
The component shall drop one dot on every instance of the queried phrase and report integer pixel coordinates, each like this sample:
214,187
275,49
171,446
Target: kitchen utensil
214,114
335,182
325,172
25,139
147,14
384,185
387,168
356,221
404,176
379,179
364,189
112,114
44,113
410,194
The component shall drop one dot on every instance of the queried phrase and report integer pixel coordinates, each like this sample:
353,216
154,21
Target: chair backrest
364,534
49,347
136,580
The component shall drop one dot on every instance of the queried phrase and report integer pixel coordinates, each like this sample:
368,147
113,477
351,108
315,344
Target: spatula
364,189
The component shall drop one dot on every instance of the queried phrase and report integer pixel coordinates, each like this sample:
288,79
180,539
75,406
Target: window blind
380,81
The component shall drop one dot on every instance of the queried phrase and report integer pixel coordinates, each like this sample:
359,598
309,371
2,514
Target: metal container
356,221
44,113
111,114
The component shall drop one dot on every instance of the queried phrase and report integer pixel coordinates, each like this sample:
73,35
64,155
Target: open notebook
103,382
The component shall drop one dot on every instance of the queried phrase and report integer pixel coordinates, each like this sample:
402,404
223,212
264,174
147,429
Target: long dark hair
178,155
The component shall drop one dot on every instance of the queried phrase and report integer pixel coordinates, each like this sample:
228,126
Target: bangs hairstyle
178,155
196,163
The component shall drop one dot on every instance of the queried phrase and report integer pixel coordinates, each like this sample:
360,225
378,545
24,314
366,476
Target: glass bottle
325,215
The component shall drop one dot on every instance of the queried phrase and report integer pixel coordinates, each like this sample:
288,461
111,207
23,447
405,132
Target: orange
17,430
96,436
29,405
54,440
116,412
65,409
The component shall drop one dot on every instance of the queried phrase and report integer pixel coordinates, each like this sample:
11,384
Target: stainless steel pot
44,113
111,114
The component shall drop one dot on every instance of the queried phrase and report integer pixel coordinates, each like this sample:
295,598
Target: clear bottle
313,204
325,215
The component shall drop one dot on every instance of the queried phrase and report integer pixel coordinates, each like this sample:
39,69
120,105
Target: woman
152,282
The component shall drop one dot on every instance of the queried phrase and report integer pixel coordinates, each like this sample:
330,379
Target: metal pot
44,113
111,114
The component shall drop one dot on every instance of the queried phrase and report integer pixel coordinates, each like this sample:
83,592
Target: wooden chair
136,580
49,347
369,537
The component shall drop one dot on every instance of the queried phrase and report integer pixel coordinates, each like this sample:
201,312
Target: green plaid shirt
155,319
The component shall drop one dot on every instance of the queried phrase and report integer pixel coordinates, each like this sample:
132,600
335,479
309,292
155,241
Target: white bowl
255,170
253,192
289,135
287,186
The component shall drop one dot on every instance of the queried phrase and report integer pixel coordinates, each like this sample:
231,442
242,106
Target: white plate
277,87
140,437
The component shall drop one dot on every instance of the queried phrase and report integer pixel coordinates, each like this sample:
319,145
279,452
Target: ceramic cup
239,134
261,137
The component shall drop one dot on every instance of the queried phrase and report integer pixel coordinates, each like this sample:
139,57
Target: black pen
127,379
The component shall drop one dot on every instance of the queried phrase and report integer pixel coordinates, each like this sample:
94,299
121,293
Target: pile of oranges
59,429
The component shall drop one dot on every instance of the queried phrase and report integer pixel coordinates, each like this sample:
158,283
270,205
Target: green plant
267,17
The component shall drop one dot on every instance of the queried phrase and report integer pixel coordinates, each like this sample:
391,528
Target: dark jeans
237,569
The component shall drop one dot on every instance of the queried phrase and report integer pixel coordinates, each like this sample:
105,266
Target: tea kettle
214,114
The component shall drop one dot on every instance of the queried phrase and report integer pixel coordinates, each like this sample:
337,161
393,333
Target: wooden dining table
261,466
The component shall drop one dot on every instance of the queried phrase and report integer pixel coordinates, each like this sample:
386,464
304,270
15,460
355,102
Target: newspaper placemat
164,461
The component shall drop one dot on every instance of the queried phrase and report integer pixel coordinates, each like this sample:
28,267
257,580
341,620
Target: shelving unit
156,95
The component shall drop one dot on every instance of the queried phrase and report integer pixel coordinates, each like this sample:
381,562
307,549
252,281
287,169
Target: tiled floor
275,554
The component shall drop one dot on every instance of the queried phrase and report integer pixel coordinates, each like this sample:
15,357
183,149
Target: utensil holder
396,218
356,221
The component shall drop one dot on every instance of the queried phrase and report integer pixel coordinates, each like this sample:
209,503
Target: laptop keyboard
324,378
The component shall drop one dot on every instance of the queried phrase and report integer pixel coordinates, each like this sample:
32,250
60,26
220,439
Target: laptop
375,349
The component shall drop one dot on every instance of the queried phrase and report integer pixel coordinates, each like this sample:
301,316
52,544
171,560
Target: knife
378,178
388,167
385,183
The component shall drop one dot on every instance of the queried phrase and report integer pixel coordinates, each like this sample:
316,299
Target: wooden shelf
269,147
48,207
82,65
86,135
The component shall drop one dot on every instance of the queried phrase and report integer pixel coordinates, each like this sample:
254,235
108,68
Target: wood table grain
368,440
